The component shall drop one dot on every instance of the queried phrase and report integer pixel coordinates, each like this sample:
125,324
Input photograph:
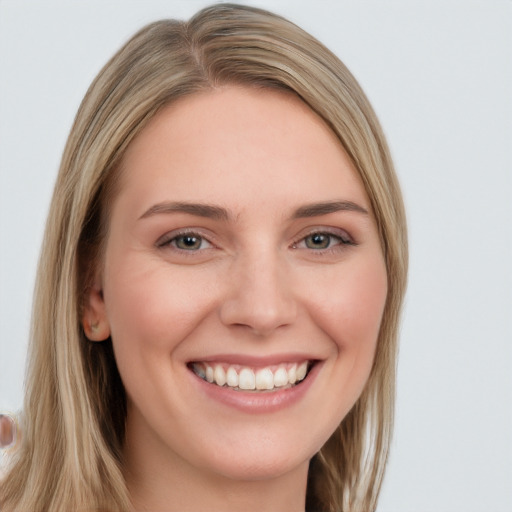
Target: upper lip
256,361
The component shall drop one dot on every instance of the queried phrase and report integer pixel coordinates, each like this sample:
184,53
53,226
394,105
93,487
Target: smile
243,378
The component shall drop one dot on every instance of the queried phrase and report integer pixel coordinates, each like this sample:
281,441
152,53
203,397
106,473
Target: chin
258,468
256,457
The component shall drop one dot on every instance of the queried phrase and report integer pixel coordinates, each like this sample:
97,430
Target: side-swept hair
70,456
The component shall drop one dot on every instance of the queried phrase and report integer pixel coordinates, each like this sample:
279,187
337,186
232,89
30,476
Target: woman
219,289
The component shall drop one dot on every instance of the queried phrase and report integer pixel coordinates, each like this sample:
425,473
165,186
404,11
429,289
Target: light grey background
439,74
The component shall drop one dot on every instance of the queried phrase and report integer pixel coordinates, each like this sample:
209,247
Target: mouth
265,379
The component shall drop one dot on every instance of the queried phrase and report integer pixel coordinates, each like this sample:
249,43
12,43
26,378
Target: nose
260,296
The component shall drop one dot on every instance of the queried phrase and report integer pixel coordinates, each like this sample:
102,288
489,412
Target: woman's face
242,249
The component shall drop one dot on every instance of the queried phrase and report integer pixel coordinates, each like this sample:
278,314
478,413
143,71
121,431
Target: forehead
241,145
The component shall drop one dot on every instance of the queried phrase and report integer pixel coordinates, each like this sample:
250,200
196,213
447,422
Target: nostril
260,296
260,317
259,329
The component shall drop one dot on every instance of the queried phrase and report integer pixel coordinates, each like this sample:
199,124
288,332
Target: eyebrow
317,209
219,213
198,209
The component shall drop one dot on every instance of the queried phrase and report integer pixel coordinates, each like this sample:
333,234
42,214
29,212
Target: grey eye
188,242
318,240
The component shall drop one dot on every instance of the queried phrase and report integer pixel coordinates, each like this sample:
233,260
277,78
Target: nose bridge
260,296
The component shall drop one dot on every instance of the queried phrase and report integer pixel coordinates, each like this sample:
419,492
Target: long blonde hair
70,456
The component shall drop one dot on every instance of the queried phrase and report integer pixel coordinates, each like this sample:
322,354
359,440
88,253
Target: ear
94,316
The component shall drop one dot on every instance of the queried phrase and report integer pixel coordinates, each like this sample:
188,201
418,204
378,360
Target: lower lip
254,402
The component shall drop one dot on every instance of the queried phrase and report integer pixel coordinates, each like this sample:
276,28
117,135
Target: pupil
189,242
318,241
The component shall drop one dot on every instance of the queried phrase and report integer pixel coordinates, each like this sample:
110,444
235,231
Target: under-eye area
244,378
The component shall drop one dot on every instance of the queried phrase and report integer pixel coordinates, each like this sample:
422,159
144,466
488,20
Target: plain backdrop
439,74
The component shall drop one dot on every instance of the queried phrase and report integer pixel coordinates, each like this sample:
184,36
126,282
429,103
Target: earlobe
94,317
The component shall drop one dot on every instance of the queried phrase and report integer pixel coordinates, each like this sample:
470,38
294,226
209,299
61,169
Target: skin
7,431
256,285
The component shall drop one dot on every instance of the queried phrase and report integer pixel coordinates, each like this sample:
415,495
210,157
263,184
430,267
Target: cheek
364,298
351,313
151,313
157,306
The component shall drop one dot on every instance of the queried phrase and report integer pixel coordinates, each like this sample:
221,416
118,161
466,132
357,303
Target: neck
162,480
216,495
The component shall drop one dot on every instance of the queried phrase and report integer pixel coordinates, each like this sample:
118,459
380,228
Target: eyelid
345,238
343,235
166,239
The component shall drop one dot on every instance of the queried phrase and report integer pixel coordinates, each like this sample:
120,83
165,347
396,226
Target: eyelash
171,240
341,237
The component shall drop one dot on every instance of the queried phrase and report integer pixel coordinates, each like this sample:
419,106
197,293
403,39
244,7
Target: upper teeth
235,376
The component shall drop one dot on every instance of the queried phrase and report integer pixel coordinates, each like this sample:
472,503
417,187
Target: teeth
280,378
263,379
219,375
199,370
302,369
292,374
246,379
232,377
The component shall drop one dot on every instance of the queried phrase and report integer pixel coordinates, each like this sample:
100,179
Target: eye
323,240
188,242
185,242
318,241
